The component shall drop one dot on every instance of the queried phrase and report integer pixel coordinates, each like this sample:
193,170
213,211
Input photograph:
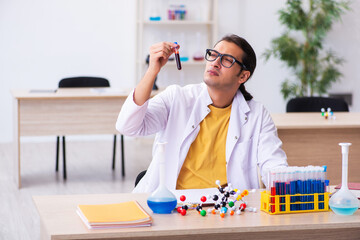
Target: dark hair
248,59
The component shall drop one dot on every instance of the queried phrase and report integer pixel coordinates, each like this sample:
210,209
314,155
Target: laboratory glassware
162,200
343,202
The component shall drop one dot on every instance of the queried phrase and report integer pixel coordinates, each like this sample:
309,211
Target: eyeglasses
226,60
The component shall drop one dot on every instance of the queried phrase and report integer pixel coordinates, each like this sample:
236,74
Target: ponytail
245,93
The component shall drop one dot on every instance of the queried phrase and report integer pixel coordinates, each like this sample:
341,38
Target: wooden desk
64,112
310,139
60,221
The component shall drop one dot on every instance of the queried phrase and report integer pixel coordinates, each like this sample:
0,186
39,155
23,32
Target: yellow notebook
125,214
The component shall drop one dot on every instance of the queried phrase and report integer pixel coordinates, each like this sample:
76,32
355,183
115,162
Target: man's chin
210,82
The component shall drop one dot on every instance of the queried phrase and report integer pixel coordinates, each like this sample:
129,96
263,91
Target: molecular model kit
328,114
224,202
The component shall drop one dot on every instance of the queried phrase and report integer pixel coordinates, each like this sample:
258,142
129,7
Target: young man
214,130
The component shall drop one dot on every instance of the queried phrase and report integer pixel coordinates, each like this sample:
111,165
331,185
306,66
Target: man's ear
244,76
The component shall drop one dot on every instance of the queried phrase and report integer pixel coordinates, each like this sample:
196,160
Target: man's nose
216,63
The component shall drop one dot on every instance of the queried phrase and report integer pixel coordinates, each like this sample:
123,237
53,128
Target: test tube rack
294,203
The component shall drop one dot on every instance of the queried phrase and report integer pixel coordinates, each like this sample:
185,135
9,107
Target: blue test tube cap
325,168
327,182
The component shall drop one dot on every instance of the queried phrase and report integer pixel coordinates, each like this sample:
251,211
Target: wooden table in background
68,111
310,139
59,220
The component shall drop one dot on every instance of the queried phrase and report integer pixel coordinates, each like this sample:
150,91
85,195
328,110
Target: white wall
344,39
42,41
257,22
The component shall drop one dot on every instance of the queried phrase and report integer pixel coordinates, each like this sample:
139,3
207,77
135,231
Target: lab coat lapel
238,118
198,113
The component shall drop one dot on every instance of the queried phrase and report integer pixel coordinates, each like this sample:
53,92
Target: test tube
324,177
311,186
318,180
177,57
309,198
272,190
322,187
288,180
282,188
301,187
273,180
292,180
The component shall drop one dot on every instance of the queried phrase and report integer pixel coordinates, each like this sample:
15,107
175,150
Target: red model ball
182,198
183,212
242,206
179,209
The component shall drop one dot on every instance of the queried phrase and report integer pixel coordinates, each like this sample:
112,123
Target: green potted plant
301,46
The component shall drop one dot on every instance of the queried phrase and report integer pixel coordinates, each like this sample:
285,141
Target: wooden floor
88,171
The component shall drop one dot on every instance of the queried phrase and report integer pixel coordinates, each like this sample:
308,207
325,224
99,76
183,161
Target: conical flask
162,200
343,202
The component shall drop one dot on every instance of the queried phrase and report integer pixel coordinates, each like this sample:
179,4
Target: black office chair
139,177
75,82
314,104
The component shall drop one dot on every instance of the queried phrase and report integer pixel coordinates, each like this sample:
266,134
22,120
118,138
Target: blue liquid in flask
344,210
162,206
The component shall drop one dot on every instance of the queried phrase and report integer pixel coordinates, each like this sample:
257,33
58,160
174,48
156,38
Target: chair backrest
314,104
74,82
139,177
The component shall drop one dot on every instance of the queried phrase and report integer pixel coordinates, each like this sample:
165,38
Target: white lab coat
175,115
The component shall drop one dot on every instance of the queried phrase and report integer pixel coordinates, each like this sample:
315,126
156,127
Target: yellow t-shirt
206,161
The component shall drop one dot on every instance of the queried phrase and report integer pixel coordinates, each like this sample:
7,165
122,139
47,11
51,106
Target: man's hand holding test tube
159,55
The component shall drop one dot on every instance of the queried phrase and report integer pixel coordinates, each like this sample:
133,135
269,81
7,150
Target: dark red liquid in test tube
272,199
177,57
